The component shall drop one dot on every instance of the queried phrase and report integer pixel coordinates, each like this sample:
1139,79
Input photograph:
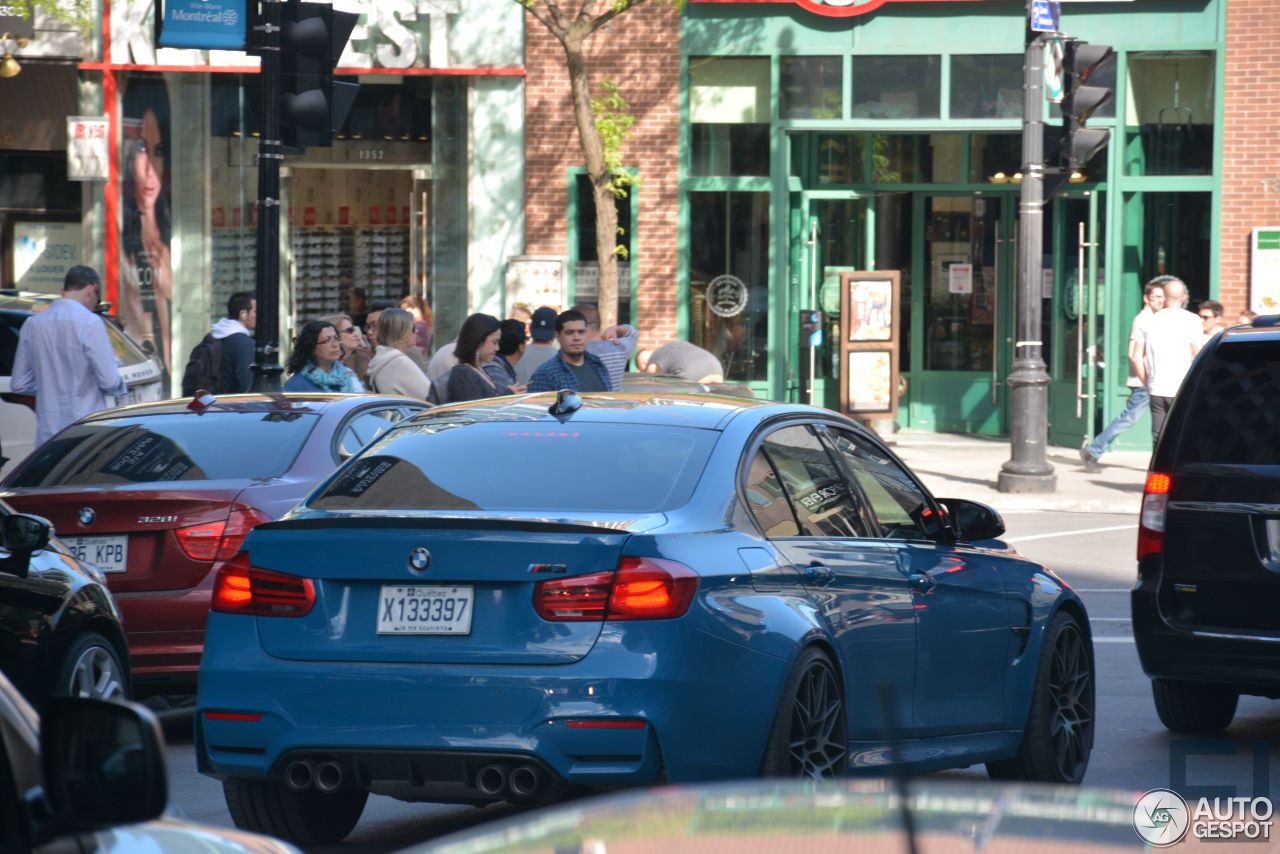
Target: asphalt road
1094,553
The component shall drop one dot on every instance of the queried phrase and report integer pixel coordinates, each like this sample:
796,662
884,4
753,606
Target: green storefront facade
820,137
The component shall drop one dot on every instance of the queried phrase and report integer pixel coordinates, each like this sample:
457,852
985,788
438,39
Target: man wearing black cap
542,329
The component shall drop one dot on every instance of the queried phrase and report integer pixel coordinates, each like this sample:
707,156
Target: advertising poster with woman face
146,270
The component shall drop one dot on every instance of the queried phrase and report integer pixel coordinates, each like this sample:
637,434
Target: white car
17,412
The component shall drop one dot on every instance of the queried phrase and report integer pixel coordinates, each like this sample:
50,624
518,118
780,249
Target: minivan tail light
641,588
244,589
1155,504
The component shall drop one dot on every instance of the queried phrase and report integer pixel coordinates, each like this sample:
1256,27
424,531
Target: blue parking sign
211,24
1044,16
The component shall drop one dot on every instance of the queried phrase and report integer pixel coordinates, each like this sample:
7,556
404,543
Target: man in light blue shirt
65,358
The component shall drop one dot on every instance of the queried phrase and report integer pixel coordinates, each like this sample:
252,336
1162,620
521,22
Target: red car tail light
200,542
220,540
1155,504
239,524
582,597
244,589
641,589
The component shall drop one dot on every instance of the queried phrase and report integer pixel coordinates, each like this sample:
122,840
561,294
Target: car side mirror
973,520
103,763
20,535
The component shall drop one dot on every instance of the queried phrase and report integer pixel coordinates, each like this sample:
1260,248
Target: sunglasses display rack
234,266
382,261
322,270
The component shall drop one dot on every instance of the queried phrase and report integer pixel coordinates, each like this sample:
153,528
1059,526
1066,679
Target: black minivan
1205,612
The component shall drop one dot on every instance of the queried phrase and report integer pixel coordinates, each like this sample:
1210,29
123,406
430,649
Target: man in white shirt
614,346
1173,338
1091,451
65,358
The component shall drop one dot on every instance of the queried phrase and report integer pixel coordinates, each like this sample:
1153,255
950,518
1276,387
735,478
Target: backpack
204,367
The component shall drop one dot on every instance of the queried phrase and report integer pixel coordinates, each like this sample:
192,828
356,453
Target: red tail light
220,540
244,589
1155,503
641,589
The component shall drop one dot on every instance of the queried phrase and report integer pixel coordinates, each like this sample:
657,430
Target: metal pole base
1016,482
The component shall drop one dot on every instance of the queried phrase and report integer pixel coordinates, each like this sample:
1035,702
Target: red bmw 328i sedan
159,495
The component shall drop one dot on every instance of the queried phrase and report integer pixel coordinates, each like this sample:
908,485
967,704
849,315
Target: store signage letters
391,34
833,8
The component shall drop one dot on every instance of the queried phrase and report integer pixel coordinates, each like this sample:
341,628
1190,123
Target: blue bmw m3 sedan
514,598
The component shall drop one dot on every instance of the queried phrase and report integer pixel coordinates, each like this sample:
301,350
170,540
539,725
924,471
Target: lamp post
1028,468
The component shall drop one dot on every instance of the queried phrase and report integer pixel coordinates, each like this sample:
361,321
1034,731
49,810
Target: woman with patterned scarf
316,362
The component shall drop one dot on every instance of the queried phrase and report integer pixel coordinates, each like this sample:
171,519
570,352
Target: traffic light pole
1028,468
266,366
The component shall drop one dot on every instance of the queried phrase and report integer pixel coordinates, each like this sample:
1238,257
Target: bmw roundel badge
419,560
87,516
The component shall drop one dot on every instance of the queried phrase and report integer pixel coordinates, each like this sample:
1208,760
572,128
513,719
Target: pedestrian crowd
1164,340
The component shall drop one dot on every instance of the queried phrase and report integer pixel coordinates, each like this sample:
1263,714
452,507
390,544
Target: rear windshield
157,448
510,466
1233,416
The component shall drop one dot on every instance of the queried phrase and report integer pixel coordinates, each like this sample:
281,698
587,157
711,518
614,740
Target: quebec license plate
107,553
425,610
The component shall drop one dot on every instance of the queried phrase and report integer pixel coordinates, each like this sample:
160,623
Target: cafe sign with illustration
833,8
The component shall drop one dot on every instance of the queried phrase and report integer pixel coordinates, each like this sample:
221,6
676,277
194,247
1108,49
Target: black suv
1204,606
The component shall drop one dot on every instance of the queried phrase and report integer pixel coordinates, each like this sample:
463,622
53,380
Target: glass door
964,307
1075,318
833,240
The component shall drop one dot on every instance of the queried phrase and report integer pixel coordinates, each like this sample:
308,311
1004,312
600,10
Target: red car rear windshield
516,466
160,448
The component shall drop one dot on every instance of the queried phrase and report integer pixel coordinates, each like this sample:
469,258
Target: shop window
729,115
893,158
986,86
812,87
729,280
1169,117
586,271
897,87
944,163
994,157
841,158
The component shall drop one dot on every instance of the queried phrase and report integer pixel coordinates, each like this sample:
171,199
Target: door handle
818,573
920,582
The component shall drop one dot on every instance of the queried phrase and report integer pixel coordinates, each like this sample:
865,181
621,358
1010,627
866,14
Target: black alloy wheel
810,737
1060,725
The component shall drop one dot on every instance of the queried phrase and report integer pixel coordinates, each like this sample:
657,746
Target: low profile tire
810,737
307,818
1058,737
91,668
1193,707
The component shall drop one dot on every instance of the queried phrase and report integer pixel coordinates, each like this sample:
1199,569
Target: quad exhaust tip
329,777
525,781
299,775
492,780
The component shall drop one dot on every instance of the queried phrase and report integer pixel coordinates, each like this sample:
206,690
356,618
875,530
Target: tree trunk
601,180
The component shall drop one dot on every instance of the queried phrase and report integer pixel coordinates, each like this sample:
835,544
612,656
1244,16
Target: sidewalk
959,466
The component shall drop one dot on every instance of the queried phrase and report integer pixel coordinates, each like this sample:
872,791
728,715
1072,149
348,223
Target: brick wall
1251,154
640,50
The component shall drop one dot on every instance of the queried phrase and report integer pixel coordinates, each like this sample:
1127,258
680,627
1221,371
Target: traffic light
1081,62
313,106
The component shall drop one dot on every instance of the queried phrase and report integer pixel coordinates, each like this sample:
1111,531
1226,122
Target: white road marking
1070,533
1113,640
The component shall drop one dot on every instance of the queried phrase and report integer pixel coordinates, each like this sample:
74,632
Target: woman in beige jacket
391,371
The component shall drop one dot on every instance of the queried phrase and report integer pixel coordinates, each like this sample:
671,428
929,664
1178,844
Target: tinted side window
1233,416
893,495
823,503
766,499
364,427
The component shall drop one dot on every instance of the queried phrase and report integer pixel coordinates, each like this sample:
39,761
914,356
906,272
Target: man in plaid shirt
573,367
